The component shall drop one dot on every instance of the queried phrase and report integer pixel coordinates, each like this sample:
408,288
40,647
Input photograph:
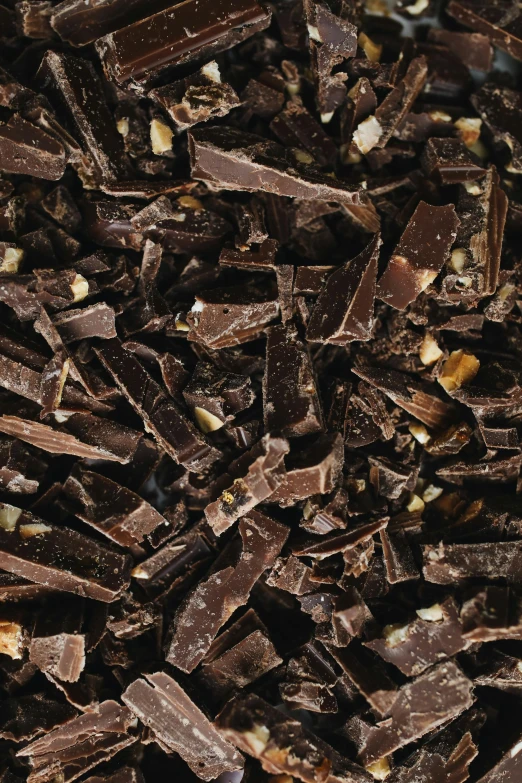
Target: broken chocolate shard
80,744
342,541
234,160
59,557
368,675
311,469
473,49
398,557
115,511
179,35
452,563
97,320
444,693
215,396
179,726
436,633
419,256
24,717
296,127
228,587
500,109
290,398
491,614
173,431
499,21
282,744
26,149
508,767
449,161
57,645
344,309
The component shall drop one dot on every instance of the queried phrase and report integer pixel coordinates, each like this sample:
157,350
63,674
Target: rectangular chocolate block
58,557
179,726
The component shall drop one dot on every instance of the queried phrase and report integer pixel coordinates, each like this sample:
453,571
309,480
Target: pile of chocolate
260,391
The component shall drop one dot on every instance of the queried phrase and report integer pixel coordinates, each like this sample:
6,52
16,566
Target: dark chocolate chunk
24,717
227,588
451,563
215,396
500,108
473,49
26,149
507,767
492,613
449,161
57,645
96,320
313,469
499,21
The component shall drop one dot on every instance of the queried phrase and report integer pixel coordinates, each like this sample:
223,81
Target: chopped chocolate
234,160
212,602
473,49
256,475
215,396
418,258
26,149
398,557
500,109
499,21
312,469
368,675
57,645
59,557
450,161
97,320
508,767
452,563
24,717
179,726
492,613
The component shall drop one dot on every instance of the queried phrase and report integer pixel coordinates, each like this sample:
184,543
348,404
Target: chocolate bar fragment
311,469
368,675
228,587
179,726
24,717
20,471
449,161
96,320
73,85
57,645
173,431
282,744
291,402
179,35
499,21
215,397
444,693
500,109
344,309
296,127
256,475
508,767
474,50
197,98
436,633
115,511
492,613
234,160
451,563
419,256
59,557
26,149
80,744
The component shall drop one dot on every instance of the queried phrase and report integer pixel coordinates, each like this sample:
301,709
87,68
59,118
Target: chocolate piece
59,557
444,692
344,310
311,470
20,471
500,21
26,149
115,511
368,675
212,602
491,614
73,85
161,415
295,127
197,98
291,402
435,633
96,320
178,35
450,563
282,745
474,50
215,396
24,717
292,575
449,161
500,109
419,256
57,645
398,558
80,744
179,726
230,316
507,767
241,161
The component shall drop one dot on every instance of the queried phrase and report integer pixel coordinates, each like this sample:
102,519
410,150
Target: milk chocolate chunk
24,717
179,35
234,160
436,633
215,396
439,695
311,469
59,557
499,21
451,563
282,744
291,402
212,602
197,98
115,511
173,431
344,309
96,320
57,645
26,149
80,744
474,50
179,726
491,614
418,258
74,87
500,109
81,434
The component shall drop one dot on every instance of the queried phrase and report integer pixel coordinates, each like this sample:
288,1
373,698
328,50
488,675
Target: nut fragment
429,352
420,433
431,493
34,529
123,126
211,71
415,504
367,135
372,50
460,368
206,421
189,202
379,769
11,260
395,634
469,130
432,614
11,638
417,8
161,137
257,738
9,516
79,288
